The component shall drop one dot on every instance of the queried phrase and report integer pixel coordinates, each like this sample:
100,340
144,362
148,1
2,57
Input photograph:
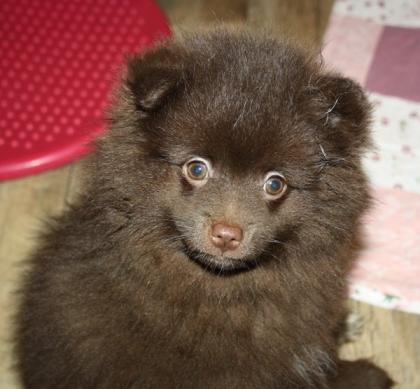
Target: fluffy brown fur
126,290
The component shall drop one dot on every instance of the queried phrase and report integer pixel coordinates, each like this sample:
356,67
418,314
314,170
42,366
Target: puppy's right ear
154,77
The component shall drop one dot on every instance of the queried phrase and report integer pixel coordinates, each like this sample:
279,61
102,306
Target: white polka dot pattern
57,63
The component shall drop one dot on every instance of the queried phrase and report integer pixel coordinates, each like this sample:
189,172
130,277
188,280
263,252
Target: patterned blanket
378,44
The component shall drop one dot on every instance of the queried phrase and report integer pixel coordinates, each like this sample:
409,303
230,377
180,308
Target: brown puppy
211,247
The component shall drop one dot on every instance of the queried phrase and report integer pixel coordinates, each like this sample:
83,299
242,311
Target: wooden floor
390,338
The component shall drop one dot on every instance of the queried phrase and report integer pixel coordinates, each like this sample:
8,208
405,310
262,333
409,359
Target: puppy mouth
220,265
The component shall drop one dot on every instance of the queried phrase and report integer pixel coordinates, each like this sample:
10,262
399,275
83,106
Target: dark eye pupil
275,185
197,169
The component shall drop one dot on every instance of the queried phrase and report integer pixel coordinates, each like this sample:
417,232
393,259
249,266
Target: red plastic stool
57,64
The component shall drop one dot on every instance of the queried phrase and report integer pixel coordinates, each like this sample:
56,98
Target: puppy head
243,147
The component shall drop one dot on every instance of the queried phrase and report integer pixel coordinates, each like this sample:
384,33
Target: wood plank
24,205
299,20
187,15
324,12
391,339
74,184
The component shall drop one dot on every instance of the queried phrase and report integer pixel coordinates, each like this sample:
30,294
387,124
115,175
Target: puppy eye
274,185
196,170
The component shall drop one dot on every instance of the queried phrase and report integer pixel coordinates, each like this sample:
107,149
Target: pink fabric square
349,45
390,262
395,69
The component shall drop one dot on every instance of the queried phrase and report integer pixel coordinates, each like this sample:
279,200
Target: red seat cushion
58,62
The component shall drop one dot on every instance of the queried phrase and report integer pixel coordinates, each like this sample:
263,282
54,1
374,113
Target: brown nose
226,237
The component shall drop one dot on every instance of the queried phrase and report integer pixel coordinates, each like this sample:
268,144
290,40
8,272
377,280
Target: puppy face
243,147
237,189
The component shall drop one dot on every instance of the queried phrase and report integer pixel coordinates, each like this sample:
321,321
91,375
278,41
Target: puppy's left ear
346,115
155,77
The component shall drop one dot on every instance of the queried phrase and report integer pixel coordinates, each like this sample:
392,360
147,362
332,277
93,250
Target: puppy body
128,291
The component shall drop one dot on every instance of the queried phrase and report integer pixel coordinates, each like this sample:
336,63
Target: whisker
276,241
